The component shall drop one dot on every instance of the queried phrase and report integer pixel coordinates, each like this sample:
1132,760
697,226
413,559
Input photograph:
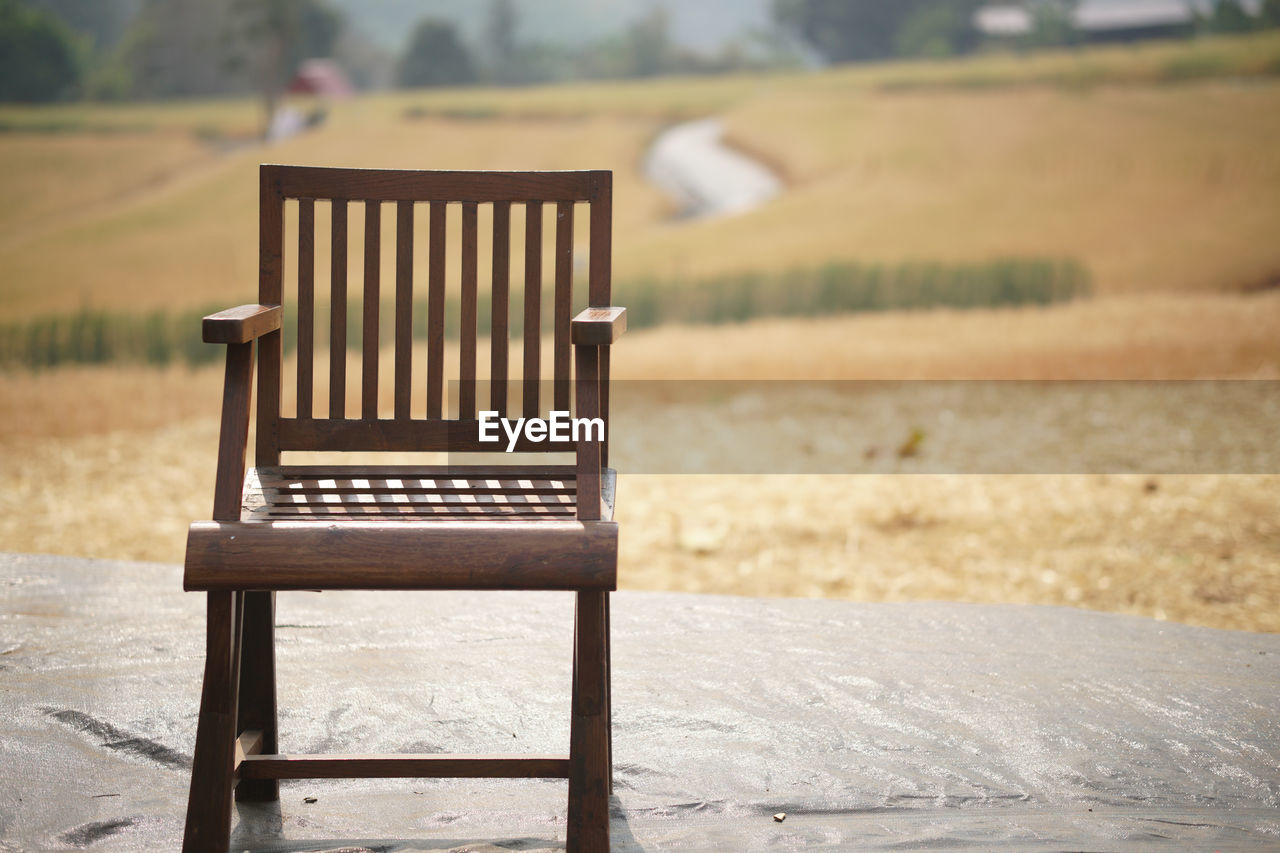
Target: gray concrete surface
872,726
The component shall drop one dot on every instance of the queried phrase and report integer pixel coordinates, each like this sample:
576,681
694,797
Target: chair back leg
589,759
258,688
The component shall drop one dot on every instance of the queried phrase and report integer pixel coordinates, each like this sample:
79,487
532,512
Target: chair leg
588,830
209,805
258,688
608,686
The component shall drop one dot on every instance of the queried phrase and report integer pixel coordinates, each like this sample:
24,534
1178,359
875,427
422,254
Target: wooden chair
290,527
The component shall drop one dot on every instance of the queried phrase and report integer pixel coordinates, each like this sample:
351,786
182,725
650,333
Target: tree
649,44
938,29
40,59
846,30
1230,17
1051,23
500,37
1269,14
268,38
435,56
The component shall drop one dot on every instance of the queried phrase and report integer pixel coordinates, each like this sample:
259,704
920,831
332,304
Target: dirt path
705,177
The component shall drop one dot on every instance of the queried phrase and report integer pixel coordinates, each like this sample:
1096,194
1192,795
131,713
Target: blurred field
1169,193
117,461
1129,178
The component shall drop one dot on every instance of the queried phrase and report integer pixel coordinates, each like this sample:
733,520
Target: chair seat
388,493
407,527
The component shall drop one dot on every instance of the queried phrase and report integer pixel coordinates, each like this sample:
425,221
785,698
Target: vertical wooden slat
435,310
563,302
270,292
587,380
532,305
306,305
338,312
404,307
372,297
600,275
498,315
467,335
601,242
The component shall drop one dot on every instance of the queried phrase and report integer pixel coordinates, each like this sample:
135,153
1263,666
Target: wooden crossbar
405,767
505,554
249,743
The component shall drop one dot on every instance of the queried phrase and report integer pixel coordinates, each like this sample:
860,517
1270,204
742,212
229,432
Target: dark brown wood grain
588,821
532,307
429,766
233,435
270,292
455,436
467,321
562,367
241,324
404,527
208,825
338,312
257,693
601,261
498,314
404,308
435,310
410,554
306,306
372,305
589,456
399,184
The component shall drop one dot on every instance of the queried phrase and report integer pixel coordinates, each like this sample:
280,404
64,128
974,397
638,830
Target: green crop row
96,337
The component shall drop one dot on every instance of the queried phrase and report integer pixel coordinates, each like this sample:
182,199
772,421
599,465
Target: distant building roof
1005,21
1011,20
321,77
1097,16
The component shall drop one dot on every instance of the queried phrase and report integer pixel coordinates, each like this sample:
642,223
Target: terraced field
1167,192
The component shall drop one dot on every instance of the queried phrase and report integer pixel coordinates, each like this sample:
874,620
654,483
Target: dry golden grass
191,240
1152,187
120,471
1169,188
1168,193
1152,336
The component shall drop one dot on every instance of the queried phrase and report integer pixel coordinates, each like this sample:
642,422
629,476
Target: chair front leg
208,825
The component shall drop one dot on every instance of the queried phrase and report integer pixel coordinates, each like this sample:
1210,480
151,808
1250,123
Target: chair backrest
463,210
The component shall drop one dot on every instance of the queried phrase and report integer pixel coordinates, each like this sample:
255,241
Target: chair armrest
241,324
598,326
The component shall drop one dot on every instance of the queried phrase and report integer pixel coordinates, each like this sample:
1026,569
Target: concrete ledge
871,726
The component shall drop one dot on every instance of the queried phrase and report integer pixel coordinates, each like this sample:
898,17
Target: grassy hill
1150,185
1153,167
